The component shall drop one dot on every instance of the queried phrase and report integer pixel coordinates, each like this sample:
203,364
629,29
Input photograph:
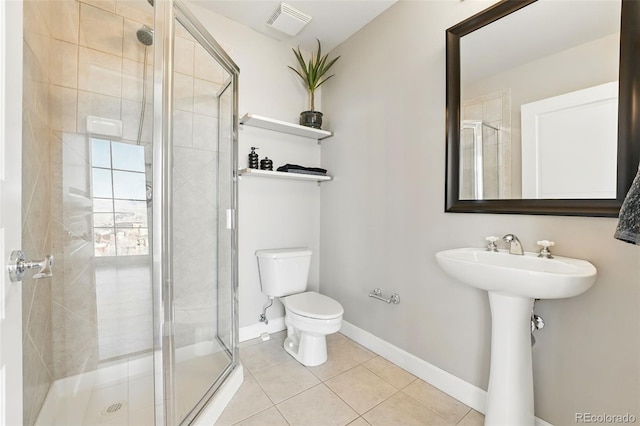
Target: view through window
120,225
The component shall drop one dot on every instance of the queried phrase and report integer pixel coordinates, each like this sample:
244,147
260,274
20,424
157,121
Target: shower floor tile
121,393
355,387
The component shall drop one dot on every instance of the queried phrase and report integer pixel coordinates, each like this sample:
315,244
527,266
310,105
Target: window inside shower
120,225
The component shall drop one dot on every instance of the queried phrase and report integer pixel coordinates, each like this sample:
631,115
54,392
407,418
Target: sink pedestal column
510,393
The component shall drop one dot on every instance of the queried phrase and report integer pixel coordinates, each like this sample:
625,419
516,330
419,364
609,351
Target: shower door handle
18,264
231,223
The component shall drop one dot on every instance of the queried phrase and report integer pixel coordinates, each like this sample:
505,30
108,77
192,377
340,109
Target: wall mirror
541,97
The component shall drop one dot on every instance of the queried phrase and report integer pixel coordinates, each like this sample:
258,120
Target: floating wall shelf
284,127
283,175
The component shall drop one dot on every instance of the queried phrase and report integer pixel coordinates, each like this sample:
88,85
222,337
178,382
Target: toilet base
307,349
307,338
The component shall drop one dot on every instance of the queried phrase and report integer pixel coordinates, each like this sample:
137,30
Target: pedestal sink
513,282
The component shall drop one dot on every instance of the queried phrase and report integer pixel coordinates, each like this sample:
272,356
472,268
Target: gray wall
382,221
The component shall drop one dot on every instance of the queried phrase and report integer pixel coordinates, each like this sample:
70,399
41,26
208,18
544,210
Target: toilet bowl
309,316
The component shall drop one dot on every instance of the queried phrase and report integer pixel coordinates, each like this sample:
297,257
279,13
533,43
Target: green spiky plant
312,73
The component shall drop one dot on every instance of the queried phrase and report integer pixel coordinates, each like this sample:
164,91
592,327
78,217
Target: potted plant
313,76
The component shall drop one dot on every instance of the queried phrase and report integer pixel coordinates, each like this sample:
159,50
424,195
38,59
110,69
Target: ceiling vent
288,19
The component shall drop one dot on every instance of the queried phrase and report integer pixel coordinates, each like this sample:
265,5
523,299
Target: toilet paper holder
376,293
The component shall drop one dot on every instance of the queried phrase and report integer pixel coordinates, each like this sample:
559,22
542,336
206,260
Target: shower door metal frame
165,14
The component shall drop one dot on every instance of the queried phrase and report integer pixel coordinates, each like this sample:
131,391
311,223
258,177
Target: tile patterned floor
354,387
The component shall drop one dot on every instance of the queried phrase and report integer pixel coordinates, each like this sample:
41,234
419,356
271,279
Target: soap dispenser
253,158
266,164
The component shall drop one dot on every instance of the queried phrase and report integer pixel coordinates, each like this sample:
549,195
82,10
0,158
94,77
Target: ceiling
534,32
333,21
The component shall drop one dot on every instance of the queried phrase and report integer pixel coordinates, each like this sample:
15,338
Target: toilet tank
283,271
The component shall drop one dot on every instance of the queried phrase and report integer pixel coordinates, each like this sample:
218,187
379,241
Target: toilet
310,316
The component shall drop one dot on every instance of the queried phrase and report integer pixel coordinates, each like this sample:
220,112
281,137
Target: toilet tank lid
282,253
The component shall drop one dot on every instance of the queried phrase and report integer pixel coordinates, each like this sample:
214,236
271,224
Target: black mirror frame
628,122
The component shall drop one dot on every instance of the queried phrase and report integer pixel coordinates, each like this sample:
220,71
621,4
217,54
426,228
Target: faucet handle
545,252
492,243
546,243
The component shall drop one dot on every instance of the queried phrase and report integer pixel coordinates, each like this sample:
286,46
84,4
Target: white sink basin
526,276
513,282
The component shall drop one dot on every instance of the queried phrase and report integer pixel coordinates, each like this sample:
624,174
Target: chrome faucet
515,246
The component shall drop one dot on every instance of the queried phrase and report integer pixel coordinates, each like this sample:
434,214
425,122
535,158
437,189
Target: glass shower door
227,318
200,301
128,175
480,175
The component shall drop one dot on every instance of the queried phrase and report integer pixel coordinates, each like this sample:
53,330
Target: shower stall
129,181
480,176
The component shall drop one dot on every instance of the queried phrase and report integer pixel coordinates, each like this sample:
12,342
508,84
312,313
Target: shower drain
114,408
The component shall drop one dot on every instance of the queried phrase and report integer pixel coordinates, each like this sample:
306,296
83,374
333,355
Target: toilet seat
313,305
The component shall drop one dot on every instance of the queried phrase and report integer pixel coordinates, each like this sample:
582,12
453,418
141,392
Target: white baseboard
457,388
255,330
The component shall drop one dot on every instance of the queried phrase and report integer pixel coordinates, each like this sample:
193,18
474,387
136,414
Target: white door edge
10,214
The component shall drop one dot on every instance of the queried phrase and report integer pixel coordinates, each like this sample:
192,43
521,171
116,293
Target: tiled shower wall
493,109
36,207
83,58
197,80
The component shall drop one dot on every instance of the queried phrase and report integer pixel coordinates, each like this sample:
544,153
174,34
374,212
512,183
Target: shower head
145,35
